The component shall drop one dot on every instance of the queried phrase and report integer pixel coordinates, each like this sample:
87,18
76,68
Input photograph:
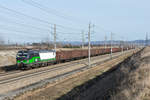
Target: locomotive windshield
22,53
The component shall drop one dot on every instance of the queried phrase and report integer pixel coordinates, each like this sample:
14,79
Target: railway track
9,80
8,73
64,64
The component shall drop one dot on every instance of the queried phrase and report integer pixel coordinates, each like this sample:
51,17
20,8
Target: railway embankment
129,80
80,85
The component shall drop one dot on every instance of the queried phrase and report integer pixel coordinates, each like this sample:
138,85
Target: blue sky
127,19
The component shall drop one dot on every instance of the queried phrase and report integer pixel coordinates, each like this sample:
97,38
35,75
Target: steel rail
71,62
11,79
13,93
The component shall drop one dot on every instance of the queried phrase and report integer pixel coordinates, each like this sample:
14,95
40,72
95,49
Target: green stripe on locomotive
35,60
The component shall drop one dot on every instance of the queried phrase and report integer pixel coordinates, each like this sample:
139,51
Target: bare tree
46,43
1,41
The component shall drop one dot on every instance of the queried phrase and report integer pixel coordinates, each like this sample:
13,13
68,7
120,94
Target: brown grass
135,84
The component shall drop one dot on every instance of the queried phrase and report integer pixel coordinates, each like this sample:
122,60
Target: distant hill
139,42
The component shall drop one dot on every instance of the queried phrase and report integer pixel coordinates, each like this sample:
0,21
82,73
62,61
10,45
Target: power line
103,29
20,31
30,34
35,18
52,11
10,29
25,25
68,33
18,13
46,9
31,26
17,34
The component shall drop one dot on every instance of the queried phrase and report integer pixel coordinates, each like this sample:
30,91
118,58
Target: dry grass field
7,57
135,78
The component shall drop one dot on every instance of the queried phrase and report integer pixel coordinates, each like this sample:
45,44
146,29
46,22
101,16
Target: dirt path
58,89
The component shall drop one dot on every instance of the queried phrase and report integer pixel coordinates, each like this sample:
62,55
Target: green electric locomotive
35,58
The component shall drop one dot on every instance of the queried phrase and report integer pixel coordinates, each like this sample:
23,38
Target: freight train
38,58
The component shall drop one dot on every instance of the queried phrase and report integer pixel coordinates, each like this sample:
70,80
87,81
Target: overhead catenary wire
27,25
46,9
40,20
105,30
36,19
53,11
8,28
20,31
68,33
17,34
33,26
83,40
24,25
44,21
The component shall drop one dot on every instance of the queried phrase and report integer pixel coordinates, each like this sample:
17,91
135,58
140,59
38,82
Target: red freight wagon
75,54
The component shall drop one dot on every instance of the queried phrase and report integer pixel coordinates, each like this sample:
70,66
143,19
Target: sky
33,20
